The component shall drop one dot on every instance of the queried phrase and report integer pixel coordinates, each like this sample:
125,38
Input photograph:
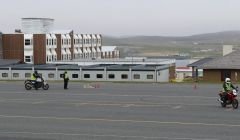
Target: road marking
104,135
124,121
102,103
114,95
177,107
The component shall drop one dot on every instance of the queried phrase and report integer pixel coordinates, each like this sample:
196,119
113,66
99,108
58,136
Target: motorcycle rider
227,87
34,77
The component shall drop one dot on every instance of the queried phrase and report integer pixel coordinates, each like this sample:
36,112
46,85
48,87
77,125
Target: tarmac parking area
116,111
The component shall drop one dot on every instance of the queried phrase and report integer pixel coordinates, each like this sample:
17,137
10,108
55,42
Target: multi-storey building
38,44
50,47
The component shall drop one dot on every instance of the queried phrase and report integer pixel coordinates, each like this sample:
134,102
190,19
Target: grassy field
203,45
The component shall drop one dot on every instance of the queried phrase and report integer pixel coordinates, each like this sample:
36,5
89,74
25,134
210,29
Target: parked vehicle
231,98
41,83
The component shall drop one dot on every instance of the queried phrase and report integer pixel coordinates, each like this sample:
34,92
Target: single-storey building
217,69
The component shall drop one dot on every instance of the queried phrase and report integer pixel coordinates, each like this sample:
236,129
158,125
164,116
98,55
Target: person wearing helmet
227,87
34,77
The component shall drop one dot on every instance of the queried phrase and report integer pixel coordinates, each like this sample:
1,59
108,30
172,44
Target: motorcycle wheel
28,86
45,87
235,103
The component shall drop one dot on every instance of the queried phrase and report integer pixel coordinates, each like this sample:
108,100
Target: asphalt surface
116,111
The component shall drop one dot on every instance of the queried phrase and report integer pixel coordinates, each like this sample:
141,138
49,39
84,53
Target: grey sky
127,17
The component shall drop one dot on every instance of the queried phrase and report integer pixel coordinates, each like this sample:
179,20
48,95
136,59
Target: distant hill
209,43
227,37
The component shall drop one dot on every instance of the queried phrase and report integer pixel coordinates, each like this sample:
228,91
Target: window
28,59
99,76
74,75
4,74
124,76
149,76
136,76
27,75
27,42
51,75
15,75
86,75
111,76
61,75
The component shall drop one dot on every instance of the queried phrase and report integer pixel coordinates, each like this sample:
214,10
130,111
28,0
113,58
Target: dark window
124,76
86,75
15,75
99,76
136,76
4,74
150,76
27,75
61,75
51,75
74,75
111,76
27,42
27,58
225,74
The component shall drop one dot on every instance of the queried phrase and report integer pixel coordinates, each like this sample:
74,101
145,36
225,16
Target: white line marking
116,95
126,121
102,135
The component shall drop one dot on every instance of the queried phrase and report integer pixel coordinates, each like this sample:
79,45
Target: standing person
66,79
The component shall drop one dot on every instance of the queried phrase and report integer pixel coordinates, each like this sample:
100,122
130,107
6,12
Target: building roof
33,18
109,67
230,61
7,62
200,62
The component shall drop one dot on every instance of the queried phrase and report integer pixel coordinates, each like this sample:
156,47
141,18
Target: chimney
18,31
227,49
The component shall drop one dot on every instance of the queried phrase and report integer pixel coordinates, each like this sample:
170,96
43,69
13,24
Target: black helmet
36,71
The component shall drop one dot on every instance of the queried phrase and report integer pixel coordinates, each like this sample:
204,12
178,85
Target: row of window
86,76
51,41
64,41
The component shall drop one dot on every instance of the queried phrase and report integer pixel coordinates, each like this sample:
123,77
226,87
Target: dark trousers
35,85
224,96
65,84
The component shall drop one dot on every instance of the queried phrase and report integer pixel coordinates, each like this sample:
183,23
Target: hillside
195,45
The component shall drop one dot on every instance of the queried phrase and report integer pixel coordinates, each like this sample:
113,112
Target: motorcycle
41,83
230,98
